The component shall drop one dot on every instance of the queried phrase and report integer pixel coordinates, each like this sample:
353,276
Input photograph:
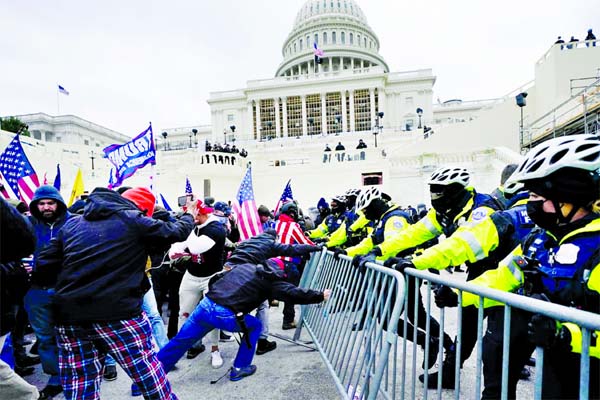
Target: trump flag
131,156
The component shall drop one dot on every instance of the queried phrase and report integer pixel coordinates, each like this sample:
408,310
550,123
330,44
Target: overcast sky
129,62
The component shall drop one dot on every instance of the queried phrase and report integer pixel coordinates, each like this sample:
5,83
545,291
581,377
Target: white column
250,122
330,64
362,64
258,123
352,63
285,117
324,113
341,63
372,106
344,112
277,124
352,122
304,122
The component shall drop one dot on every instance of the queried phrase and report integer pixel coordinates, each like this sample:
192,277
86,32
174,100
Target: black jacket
258,249
17,240
246,286
102,256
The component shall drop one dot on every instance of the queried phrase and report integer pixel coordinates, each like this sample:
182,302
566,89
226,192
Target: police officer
389,220
563,178
333,221
506,229
454,204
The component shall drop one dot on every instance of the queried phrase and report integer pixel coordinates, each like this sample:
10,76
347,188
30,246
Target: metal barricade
356,330
588,323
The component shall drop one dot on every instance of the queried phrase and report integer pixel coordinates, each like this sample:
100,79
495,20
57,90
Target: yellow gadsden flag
77,187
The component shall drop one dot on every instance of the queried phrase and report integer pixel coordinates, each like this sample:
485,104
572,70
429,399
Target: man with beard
48,214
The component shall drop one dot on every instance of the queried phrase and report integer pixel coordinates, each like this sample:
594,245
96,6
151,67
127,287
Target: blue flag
165,204
131,156
56,183
188,186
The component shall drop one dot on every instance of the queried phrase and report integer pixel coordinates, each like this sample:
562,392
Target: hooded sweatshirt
101,257
45,230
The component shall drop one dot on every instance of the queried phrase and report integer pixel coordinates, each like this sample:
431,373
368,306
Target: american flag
18,172
245,209
188,186
289,232
285,196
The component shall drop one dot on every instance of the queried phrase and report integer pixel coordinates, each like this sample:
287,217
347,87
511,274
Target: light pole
225,136
232,127
195,131
164,135
378,127
420,114
521,102
190,140
311,122
92,156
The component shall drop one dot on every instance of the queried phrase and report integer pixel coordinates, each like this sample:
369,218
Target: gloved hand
445,297
398,263
360,262
320,240
337,252
542,331
316,248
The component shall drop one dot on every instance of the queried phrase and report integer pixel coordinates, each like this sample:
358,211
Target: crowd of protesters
91,280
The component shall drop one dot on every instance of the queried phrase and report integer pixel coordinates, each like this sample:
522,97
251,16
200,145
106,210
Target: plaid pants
83,348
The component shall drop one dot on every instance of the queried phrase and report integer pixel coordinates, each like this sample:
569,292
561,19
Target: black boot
264,346
434,344
27,361
447,373
193,352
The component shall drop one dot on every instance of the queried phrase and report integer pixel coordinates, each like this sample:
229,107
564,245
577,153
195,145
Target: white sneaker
215,359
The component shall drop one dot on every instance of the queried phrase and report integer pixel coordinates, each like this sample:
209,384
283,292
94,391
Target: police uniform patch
398,224
478,215
567,254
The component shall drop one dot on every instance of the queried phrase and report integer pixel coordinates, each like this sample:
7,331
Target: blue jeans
207,316
38,303
150,307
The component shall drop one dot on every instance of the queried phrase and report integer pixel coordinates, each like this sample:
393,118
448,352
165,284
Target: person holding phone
201,256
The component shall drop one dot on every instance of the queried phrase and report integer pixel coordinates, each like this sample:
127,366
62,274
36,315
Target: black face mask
449,202
543,219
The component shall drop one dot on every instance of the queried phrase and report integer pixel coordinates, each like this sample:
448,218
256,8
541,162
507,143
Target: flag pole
57,101
153,188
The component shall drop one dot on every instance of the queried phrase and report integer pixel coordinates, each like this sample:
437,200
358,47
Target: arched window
294,47
343,37
308,42
300,44
324,37
351,38
333,38
316,38
358,40
365,41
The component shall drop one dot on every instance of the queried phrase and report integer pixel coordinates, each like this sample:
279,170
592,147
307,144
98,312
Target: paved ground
289,372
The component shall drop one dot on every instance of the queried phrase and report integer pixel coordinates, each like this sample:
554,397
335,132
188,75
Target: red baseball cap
143,199
202,208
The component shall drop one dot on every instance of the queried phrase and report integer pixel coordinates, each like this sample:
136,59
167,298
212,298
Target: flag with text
131,156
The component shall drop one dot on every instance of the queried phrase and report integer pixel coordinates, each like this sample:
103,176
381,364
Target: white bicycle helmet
366,197
575,151
448,175
352,192
339,198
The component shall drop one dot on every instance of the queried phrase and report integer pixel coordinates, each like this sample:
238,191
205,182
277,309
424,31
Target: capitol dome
340,29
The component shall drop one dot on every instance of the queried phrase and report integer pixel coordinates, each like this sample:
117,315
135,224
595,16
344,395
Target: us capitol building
285,122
